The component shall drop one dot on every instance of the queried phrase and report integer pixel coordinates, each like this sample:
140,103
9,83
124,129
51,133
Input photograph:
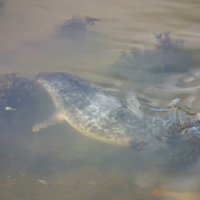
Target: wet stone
22,101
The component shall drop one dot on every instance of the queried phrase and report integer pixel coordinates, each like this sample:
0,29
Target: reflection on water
157,65
150,47
163,72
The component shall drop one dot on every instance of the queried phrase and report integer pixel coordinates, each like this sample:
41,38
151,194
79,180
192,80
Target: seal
94,112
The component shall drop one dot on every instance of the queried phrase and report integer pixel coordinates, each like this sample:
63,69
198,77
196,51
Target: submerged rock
21,102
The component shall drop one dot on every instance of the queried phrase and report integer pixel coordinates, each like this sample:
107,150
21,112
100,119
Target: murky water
150,47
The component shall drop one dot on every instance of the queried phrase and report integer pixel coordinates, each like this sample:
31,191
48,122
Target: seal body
95,113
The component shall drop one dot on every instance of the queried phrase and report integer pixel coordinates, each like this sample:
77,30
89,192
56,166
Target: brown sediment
176,195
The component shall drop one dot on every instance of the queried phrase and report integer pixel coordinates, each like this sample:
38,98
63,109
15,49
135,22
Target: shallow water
150,47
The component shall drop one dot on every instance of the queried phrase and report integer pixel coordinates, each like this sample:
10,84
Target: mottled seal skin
95,113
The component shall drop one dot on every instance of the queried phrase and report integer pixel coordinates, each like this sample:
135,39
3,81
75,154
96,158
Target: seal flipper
56,118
